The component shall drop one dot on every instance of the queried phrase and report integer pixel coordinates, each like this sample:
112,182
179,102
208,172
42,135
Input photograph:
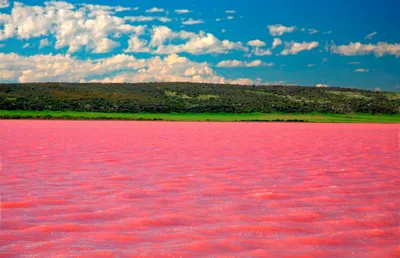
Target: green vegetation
197,102
223,117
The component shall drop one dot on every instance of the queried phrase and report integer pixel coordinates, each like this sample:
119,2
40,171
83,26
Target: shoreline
201,117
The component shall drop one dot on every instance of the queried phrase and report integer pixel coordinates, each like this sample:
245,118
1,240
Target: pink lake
176,189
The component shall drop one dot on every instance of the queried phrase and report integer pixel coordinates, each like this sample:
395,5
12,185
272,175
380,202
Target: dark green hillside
194,98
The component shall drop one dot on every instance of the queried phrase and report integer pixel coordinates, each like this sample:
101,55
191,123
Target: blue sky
327,43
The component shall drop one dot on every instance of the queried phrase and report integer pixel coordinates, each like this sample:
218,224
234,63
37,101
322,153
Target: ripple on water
143,189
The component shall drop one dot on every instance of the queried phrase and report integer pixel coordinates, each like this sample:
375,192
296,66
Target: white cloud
230,17
183,11
94,10
312,31
256,43
377,89
276,42
292,48
136,8
354,63
4,3
26,45
258,49
310,65
2,45
279,30
64,68
230,11
194,43
171,68
261,52
122,9
243,81
380,49
309,31
320,85
88,27
218,19
105,45
44,43
155,10
237,63
142,18
371,35
164,19
361,70
136,45
191,21
57,67
223,30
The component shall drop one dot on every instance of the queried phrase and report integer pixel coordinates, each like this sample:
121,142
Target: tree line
194,97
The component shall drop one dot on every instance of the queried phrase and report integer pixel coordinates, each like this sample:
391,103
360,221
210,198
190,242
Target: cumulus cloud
155,10
310,65
309,31
293,48
279,29
354,63
237,63
142,18
361,70
256,43
230,17
243,81
276,42
171,68
42,68
64,68
194,43
380,49
191,21
88,27
320,85
182,11
257,48
230,11
50,67
137,45
4,3
261,52
95,9
371,35
312,31
104,45
44,43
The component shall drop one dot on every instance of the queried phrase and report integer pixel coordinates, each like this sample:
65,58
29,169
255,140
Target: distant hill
194,98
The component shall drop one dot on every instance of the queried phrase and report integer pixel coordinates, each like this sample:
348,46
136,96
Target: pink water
171,189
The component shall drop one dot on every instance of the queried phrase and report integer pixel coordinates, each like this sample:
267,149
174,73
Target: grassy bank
223,117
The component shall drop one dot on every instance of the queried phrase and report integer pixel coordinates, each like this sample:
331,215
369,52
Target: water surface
176,189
